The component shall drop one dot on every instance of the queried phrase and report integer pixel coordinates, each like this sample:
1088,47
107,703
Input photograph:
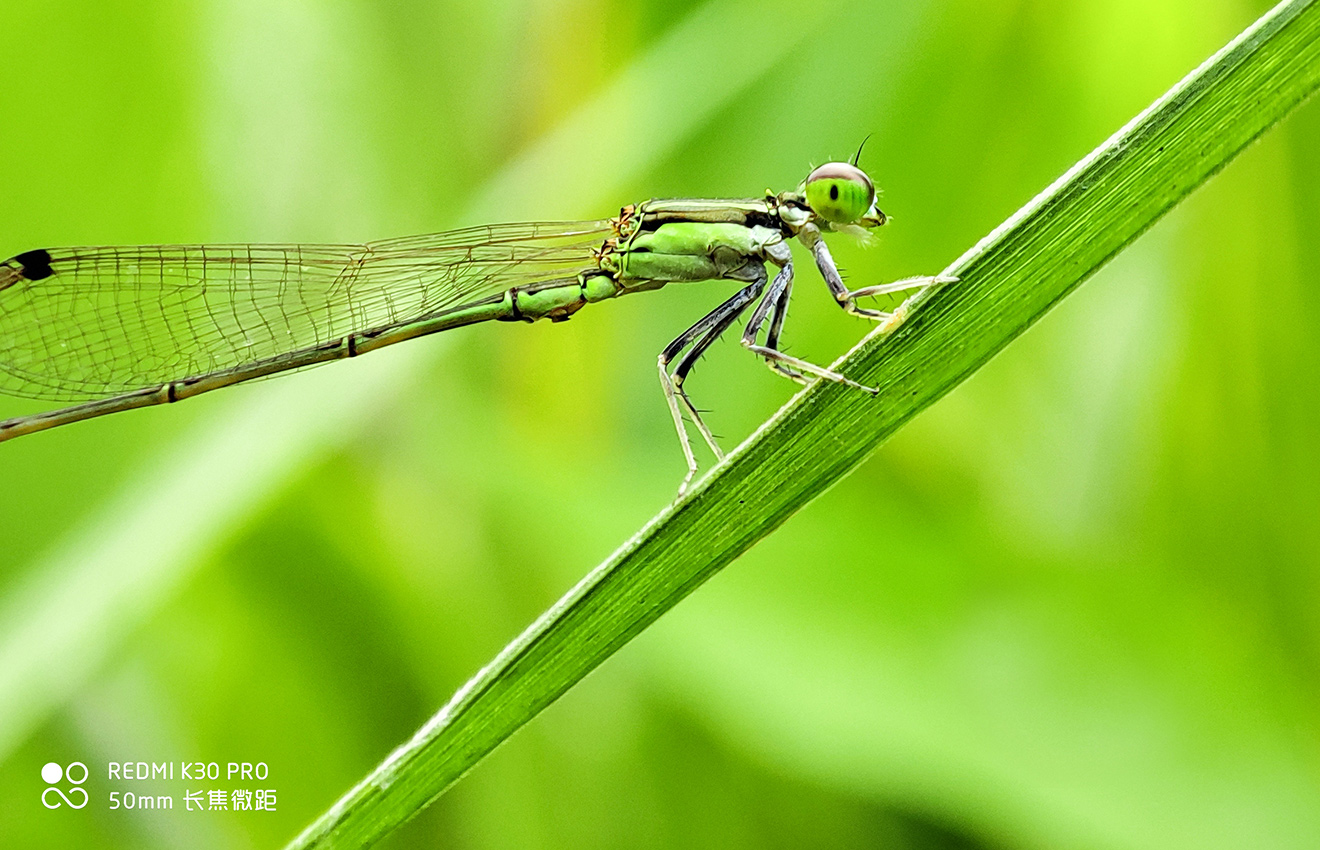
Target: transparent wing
80,323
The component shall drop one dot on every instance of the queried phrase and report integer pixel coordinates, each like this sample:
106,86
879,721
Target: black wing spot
36,264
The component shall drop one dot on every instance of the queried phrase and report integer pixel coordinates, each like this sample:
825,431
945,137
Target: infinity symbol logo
47,803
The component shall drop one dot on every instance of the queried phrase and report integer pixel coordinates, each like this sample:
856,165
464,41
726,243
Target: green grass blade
1009,279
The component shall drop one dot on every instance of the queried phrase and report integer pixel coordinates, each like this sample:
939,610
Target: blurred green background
1074,605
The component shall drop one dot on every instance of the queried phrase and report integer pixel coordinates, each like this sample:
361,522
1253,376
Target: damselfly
119,328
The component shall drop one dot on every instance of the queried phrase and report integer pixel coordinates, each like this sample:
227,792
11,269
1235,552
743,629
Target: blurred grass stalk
1008,281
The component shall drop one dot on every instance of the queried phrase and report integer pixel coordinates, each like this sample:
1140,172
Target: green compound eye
839,193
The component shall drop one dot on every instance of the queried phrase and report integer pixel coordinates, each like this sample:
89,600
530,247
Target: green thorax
670,241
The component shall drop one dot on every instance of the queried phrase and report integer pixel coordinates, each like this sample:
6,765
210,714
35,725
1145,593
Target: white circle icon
52,773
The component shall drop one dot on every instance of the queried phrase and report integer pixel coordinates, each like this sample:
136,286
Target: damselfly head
842,194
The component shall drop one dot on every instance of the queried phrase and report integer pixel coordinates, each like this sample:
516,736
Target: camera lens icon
75,774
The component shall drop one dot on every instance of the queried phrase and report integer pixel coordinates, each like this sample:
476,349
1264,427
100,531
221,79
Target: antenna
857,156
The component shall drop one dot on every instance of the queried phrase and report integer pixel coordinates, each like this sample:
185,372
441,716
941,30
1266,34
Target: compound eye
839,192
